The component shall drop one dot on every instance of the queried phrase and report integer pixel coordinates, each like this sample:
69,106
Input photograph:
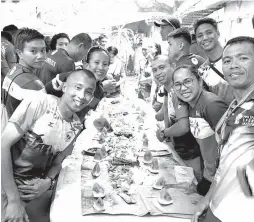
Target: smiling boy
37,138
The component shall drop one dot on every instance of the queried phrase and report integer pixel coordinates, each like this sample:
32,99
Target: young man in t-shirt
39,135
61,60
31,49
176,117
207,35
179,42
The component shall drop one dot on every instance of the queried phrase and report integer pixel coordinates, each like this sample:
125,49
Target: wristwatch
53,182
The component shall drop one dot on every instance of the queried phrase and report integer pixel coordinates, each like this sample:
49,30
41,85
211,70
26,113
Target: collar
201,93
25,69
183,56
216,60
63,51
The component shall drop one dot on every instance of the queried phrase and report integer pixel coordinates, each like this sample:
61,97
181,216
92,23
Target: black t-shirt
56,62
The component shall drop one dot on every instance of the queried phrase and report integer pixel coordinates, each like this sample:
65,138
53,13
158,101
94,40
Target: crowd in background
206,102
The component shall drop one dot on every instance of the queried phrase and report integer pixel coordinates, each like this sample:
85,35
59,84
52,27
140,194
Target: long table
66,204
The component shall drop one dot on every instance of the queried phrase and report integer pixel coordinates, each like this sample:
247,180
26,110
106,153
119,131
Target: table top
66,204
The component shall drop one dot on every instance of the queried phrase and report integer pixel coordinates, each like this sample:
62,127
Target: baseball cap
174,22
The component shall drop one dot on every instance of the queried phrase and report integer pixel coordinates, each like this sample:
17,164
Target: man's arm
10,136
15,210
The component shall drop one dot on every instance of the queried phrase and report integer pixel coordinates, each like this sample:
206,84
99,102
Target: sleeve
34,85
214,111
10,56
201,61
29,111
181,108
51,89
67,66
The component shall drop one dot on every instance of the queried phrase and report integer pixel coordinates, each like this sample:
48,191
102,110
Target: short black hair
181,33
206,20
240,39
9,28
6,35
82,38
163,56
55,38
26,35
96,49
113,49
191,68
102,36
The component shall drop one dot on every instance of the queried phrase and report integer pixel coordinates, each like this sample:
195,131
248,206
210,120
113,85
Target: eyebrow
239,54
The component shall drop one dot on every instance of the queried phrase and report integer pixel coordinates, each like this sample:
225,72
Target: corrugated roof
188,19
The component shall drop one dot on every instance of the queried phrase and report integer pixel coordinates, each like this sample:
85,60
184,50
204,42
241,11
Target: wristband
53,182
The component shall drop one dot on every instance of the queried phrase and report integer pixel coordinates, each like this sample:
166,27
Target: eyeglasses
187,83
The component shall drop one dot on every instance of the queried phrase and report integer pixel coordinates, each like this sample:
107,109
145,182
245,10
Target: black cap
174,22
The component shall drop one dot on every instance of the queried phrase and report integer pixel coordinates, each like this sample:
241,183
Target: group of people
207,105
46,97
208,112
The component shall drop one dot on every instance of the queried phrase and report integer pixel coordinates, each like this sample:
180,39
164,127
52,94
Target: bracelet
53,182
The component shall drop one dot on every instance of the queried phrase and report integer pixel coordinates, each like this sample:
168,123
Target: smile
207,43
78,102
186,95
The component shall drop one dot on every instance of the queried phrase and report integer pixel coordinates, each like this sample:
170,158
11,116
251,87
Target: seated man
37,138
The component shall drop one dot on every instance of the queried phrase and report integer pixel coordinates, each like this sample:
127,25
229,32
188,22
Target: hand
159,116
160,135
201,208
34,189
102,122
57,83
15,212
109,85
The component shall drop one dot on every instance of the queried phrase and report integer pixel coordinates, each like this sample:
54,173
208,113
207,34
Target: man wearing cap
167,25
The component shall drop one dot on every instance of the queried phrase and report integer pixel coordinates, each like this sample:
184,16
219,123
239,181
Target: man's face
238,65
144,52
103,42
78,92
81,52
186,85
62,43
165,30
173,47
98,64
207,37
162,71
33,54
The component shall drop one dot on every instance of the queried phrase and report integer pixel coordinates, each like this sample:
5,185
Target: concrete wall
235,19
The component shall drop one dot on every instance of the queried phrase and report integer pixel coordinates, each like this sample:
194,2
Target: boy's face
207,37
78,91
33,54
